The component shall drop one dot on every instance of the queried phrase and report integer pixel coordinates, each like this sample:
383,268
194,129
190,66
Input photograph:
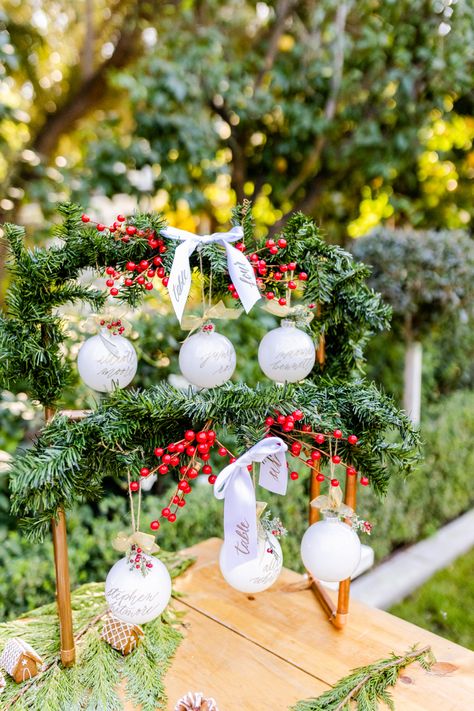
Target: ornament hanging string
234,485
240,269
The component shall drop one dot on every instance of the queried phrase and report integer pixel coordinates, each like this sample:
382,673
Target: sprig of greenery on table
367,686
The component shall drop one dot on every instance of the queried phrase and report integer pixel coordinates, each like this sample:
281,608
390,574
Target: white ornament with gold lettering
286,354
258,574
207,359
330,550
107,361
138,588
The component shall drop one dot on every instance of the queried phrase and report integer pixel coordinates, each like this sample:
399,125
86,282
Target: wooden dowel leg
63,590
63,585
345,586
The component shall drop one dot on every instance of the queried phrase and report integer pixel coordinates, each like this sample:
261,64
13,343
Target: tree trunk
412,380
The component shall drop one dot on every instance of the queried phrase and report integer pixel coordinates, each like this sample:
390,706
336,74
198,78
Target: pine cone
195,702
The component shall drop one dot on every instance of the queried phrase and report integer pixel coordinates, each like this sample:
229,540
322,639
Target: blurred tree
428,279
354,112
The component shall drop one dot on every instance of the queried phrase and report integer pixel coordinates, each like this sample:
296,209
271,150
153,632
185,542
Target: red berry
302,276
282,301
181,503
294,475
222,452
134,486
189,435
334,482
110,270
128,282
211,436
296,448
306,428
292,266
175,499
165,281
351,471
172,518
269,421
283,267
190,450
144,471
114,291
121,218
364,481
240,246
158,451
154,525
166,458
144,264
277,276
109,282
203,448
207,469
270,243
212,479
85,218
157,261
174,461
166,512
163,469
130,266
320,477
192,473
273,250
148,286
182,485
100,227
291,285
319,439
232,460
315,455
336,459
298,414
352,439
141,280
282,243
337,434
180,448
270,295
183,469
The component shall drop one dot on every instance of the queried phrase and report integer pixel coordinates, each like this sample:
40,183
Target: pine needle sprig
366,686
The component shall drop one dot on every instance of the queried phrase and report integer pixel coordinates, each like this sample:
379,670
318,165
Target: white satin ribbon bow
234,485
240,270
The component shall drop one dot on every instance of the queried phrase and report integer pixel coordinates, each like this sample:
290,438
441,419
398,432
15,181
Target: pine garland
366,686
92,683
70,459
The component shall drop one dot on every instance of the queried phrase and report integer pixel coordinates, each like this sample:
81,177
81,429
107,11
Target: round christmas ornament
107,361
286,354
207,359
330,550
258,574
138,587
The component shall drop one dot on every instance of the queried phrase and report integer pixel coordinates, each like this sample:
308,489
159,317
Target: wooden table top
266,651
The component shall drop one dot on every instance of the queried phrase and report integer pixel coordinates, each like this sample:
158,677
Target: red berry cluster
135,275
115,327
276,281
139,560
309,446
189,456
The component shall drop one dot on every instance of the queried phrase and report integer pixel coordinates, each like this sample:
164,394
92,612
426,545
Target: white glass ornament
286,354
330,550
106,361
258,574
207,359
134,597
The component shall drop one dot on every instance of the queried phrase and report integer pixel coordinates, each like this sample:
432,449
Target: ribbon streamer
240,270
332,502
145,541
234,485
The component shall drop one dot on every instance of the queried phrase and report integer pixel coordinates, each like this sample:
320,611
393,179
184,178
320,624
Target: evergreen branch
366,686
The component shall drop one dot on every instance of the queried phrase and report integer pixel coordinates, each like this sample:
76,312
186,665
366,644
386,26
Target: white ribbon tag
240,269
274,473
234,485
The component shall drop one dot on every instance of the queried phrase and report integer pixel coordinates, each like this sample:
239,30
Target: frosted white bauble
105,362
330,550
134,597
207,359
286,354
258,574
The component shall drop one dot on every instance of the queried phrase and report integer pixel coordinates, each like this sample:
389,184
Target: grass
445,604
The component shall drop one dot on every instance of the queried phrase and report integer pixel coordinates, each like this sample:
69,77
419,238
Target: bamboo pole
63,586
